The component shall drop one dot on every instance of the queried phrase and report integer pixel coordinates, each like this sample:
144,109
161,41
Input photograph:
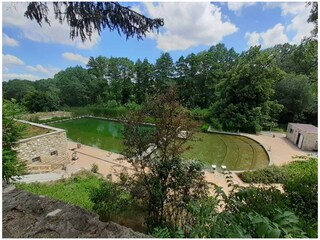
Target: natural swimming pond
236,152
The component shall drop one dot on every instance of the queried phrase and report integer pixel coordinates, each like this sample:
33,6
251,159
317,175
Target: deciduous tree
167,182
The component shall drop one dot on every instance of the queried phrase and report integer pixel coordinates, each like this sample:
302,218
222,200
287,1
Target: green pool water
236,152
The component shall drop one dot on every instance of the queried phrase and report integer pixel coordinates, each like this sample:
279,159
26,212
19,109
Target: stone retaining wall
43,150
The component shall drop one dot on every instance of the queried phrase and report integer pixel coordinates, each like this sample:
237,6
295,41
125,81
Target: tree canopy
84,18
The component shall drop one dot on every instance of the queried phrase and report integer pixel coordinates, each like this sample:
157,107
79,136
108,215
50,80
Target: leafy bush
209,223
201,114
149,119
271,174
204,127
302,191
132,106
109,200
263,200
216,124
300,183
112,104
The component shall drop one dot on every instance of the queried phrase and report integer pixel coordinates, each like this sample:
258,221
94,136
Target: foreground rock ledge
26,215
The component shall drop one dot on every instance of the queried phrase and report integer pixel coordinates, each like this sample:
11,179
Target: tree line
249,91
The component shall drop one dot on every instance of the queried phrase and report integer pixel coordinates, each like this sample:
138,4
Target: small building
305,136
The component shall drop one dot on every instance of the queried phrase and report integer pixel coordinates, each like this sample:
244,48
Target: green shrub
216,124
201,114
263,200
302,192
112,104
109,200
300,183
271,174
204,127
149,119
132,106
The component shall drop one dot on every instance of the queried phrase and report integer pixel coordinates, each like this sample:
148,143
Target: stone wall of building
46,149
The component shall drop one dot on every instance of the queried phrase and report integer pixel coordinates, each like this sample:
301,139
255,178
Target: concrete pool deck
280,149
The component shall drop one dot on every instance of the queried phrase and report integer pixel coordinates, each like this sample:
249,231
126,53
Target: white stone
53,213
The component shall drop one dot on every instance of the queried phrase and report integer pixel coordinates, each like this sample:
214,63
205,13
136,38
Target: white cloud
75,57
5,69
8,41
298,25
274,36
188,24
38,68
287,7
8,76
269,38
49,71
238,6
252,38
13,16
11,60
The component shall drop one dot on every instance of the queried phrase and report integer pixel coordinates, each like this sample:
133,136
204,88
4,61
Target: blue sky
31,52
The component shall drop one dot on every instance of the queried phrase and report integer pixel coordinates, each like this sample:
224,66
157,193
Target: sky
32,52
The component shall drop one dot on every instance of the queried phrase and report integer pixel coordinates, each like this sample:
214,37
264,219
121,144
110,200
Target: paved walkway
280,149
281,152
42,177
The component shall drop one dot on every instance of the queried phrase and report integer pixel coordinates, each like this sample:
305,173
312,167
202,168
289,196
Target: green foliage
132,106
11,132
161,233
168,182
245,101
94,17
283,224
94,168
275,174
294,93
271,174
204,127
302,188
230,91
201,114
17,89
300,183
109,200
247,220
75,190
263,200
163,71
215,124
11,166
41,101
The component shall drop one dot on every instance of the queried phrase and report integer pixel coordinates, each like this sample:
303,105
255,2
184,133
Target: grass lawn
31,131
75,190
236,152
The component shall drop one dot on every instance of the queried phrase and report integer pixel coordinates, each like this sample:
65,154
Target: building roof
305,127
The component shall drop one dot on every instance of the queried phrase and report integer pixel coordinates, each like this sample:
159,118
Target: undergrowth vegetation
300,184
